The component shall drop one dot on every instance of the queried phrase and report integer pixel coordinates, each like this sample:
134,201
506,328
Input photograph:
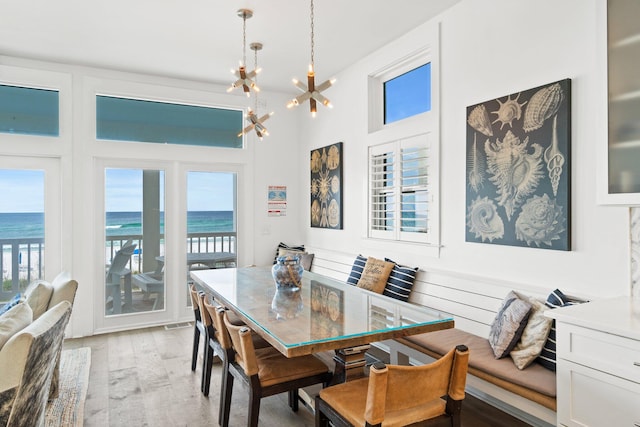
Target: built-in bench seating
528,394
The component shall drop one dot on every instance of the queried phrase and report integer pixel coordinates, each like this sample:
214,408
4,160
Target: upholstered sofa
41,296
28,361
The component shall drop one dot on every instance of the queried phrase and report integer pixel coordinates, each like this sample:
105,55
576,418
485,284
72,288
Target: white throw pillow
13,321
533,336
38,296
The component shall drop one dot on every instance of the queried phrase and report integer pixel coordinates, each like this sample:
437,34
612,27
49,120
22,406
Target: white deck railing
22,260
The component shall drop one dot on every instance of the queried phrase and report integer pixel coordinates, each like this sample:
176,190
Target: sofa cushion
481,358
508,324
375,274
38,296
356,270
11,303
534,334
306,260
14,320
400,281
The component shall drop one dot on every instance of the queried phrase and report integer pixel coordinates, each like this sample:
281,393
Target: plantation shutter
382,191
414,177
398,190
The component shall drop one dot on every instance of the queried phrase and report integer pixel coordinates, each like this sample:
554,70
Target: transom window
29,111
124,119
408,94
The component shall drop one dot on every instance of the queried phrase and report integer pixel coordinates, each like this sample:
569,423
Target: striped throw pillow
356,270
287,247
400,281
547,356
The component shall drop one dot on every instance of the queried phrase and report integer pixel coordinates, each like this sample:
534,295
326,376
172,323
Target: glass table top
324,314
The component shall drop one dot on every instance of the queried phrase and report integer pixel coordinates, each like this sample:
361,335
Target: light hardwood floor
143,378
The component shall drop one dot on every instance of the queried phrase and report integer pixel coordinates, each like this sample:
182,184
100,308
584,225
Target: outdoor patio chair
118,272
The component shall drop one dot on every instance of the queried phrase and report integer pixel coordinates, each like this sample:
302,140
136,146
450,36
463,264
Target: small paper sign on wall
277,200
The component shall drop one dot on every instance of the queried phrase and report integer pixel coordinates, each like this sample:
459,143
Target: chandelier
311,92
252,115
244,78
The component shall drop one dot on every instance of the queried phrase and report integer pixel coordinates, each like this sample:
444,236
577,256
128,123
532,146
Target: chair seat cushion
481,357
275,368
349,399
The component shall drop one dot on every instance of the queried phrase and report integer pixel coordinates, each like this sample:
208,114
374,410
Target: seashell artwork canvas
326,187
518,164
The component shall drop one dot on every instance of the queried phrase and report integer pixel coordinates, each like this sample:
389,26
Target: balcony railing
22,260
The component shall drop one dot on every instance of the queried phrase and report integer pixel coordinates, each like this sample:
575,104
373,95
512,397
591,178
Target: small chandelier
311,92
252,115
243,77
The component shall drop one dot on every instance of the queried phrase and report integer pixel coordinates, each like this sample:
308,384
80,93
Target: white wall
489,49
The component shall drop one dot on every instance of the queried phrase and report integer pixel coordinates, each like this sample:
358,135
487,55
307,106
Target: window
407,94
399,190
404,148
29,111
124,119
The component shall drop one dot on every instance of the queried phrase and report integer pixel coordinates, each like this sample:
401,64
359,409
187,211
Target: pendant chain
244,39
312,43
255,67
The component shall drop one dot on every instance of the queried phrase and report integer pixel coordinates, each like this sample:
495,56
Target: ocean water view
31,225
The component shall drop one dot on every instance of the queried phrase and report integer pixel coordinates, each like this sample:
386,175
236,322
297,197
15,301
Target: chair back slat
122,257
204,313
217,315
243,346
411,386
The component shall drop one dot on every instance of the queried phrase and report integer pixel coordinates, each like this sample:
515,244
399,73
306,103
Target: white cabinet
623,88
598,355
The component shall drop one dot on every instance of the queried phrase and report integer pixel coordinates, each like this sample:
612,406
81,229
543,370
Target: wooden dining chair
265,371
198,326
213,348
396,395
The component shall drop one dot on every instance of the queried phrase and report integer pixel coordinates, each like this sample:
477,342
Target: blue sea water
26,225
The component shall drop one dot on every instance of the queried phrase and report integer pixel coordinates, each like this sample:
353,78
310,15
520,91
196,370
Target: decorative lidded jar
287,272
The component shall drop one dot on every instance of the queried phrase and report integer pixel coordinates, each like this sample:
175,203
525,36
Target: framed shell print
326,187
518,169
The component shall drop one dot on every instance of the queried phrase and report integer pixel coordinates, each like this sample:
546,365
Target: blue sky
22,191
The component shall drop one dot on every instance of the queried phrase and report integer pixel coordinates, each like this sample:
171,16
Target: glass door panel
134,241
211,220
21,229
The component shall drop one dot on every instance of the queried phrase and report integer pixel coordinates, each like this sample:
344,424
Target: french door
156,224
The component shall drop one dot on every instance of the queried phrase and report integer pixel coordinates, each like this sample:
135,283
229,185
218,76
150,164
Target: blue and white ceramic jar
287,272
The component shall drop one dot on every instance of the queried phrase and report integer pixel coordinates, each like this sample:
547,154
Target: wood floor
143,378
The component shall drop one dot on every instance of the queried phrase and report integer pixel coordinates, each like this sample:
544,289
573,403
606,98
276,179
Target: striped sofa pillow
547,356
356,270
287,247
400,281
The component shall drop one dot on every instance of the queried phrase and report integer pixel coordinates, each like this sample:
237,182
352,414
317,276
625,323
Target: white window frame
397,189
426,125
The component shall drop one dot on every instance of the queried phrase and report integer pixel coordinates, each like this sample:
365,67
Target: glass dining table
324,314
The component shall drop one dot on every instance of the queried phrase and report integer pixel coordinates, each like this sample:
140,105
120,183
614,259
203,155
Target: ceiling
202,40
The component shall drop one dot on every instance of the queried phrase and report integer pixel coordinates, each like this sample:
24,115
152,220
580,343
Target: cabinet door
587,397
623,83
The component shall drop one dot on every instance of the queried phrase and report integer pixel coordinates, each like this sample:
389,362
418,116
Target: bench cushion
481,357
